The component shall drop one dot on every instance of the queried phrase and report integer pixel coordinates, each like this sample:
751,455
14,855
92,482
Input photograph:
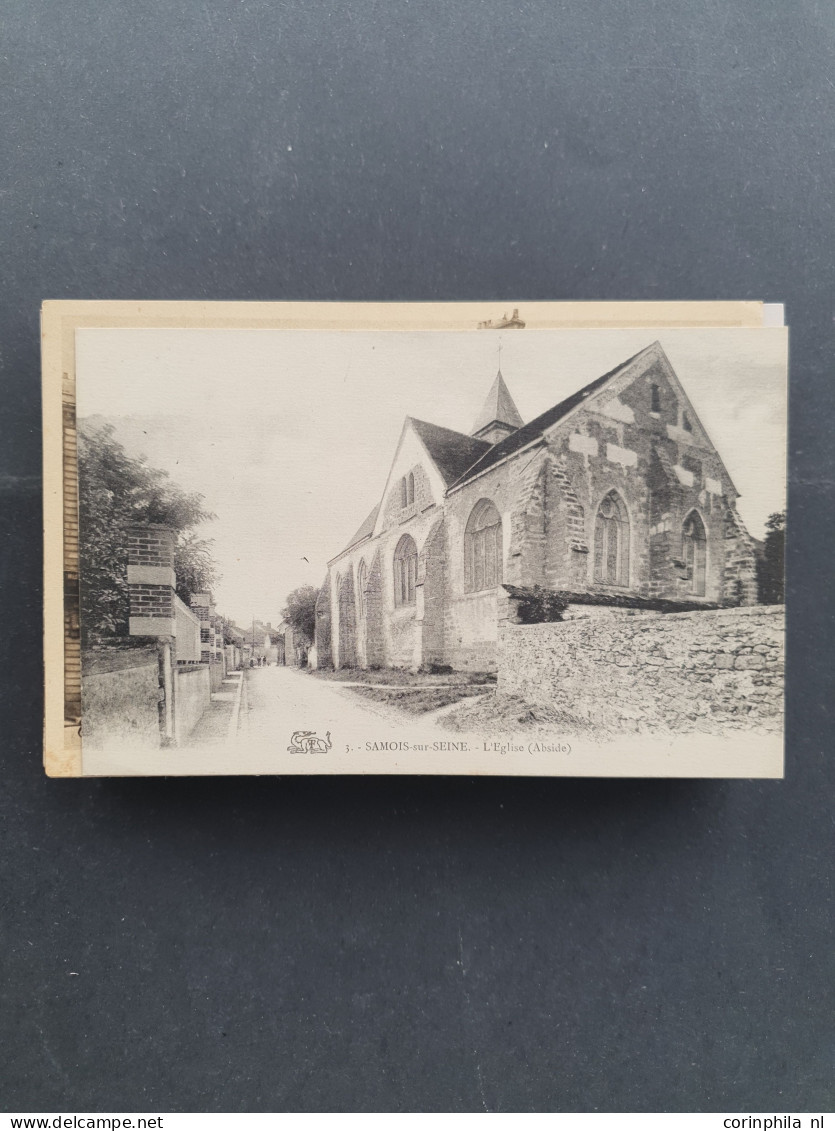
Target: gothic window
656,398
686,422
483,548
362,584
407,490
405,571
611,541
694,552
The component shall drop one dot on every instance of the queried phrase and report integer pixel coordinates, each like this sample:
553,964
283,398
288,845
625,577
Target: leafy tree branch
117,491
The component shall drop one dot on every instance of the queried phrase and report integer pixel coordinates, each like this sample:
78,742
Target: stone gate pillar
203,609
151,583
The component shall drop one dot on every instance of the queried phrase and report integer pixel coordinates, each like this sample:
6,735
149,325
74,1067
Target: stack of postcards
469,538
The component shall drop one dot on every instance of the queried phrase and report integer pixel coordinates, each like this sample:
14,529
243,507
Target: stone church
615,494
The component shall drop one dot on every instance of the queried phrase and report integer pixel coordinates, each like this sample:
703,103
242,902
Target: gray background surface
385,945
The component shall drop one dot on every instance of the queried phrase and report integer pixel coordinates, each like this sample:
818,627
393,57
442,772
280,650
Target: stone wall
192,696
375,654
324,658
402,637
432,576
394,513
121,697
217,674
346,606
740,576
388,635
711,670
187,629
470,618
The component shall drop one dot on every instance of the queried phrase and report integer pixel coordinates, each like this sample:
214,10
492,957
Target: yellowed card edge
452,316
62,744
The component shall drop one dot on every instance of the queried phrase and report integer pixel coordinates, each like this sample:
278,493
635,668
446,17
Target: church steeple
499,416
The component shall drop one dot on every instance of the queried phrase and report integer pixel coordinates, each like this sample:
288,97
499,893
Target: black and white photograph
503,550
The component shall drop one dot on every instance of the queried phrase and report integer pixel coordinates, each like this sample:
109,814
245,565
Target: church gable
643,409
648,477
414,482
649,391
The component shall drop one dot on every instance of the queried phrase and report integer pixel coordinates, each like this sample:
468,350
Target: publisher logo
308,742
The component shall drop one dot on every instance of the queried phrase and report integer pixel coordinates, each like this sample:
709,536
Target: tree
300,611
117,491
231,633
194,565
771,565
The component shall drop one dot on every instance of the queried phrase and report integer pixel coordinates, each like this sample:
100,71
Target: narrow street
279,701
251,723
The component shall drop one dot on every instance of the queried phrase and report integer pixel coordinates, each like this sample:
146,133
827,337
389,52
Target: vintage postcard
522,539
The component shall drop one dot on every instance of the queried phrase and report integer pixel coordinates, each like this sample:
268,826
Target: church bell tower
499,416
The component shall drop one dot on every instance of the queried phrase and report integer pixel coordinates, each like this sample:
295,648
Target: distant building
258,643
291,649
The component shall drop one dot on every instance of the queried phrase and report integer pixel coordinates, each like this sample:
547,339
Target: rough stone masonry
711,670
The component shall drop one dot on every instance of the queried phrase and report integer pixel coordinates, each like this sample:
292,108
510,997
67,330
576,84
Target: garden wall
192,696
709,670
121,697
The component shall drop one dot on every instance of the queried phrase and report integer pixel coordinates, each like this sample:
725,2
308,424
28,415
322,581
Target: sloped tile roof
453,452
365,531
531,431
459,457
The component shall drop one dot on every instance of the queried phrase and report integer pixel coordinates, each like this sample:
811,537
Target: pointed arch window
362,586
611,541
405,571
407,490
694,553
483,548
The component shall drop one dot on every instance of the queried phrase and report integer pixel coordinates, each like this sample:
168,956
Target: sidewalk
219,723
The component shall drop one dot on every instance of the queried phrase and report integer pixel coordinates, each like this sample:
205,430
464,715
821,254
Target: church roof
459,457
365,531
534,428
498,406
453,452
